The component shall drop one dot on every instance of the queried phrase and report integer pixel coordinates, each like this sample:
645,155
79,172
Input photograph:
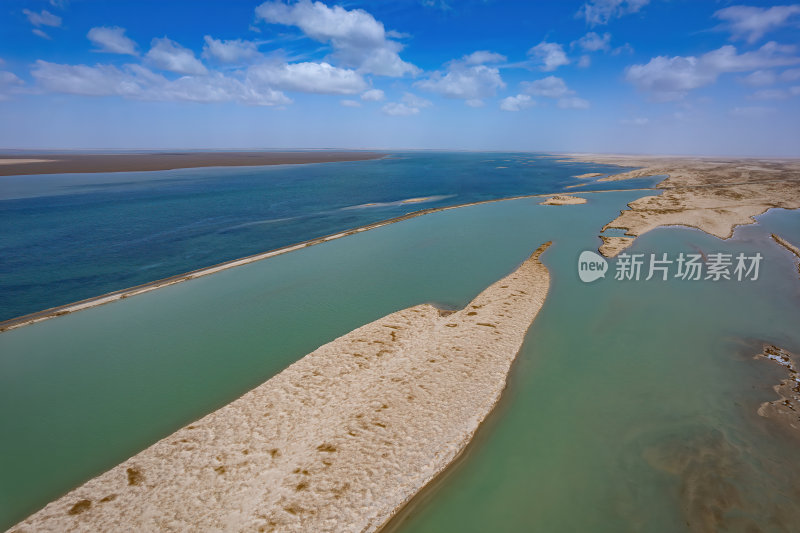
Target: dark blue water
68,237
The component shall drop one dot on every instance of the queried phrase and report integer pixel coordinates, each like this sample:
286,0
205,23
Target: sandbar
69,163
563,199
338,441
785,409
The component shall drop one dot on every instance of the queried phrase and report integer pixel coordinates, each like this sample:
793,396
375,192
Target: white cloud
593,42
8,82
584,61
373,95
358,40
233,51
44,18
112,40
410,104
795,90
40,33
482,57
603,11
551,55
464,81
670,78
321,78
396,109
770,94
551,87
752,23
573,102
140,83
752,112
790,75
636,121
166,54
350,103
760,78
61,4
516,103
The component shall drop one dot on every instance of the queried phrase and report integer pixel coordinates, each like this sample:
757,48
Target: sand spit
68,163
713,195
561,199
589,175
613,245
786,409
339,441
789,246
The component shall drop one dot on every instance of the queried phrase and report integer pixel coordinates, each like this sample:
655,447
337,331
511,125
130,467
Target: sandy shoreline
714,195
69,163
339,441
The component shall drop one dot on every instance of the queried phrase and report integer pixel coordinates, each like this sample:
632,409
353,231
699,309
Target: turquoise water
627,396
68,237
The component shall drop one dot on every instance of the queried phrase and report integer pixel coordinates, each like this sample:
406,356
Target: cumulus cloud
111,40
9,82
573,102
358,39
166,54
550,55
321,78
603,11
410,104
752,23
43,18
138,82
40,33
584,61
760,78
464,79
670,78
752,112
551,87
636,121
373,95
482,57
790,75
350,103
594,42
235,51
770,94
516,103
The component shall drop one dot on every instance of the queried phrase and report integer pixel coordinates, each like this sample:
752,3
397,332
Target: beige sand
786,409
613,245
339,441
23,161
589,175
66,163
562,199
789,246
711,194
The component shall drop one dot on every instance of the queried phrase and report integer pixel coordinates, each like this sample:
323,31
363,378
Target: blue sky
629,76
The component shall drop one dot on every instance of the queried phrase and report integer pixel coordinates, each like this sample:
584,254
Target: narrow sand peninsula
710,194
789,246
339,441
562,199
589,175
67,163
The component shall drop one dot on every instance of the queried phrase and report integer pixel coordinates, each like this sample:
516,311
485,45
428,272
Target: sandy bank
711,194
560,199
338,441
72,163
589,175
786,409
789,246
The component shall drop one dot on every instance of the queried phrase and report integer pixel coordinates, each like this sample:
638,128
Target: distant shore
73,163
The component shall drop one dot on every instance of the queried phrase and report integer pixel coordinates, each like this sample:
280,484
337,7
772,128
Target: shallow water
67,237
628,401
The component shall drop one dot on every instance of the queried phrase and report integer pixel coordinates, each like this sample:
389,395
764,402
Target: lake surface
630,408
67,237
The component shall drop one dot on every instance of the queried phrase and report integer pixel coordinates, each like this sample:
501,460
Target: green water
617,382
